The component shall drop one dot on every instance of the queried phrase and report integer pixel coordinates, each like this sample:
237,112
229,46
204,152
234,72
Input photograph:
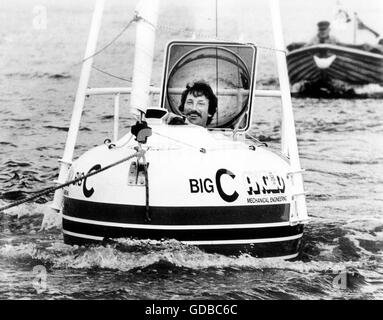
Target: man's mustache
194,112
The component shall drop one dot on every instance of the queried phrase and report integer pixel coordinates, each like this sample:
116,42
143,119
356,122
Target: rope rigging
110,74
134,19
140,153
168,28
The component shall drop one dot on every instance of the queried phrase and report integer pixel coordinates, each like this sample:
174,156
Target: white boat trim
80,235
338,48
201,242
178,227
243,241
290,256
85,236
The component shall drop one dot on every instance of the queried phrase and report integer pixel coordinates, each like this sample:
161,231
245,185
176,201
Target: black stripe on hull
260,250
181,235
290,248
176,215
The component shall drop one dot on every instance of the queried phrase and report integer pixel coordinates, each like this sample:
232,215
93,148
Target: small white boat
204,186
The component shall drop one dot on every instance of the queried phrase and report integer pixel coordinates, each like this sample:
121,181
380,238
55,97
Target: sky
250,18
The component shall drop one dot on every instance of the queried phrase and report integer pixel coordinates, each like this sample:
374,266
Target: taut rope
45,191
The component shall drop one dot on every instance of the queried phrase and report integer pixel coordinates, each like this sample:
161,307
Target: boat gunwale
338,48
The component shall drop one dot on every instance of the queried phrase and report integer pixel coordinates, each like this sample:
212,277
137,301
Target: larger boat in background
326,62
323,63
203,186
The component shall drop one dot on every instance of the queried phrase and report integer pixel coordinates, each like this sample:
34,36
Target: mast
66,160
289,139
147,14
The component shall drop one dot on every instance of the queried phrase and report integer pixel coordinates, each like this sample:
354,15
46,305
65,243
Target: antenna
216,19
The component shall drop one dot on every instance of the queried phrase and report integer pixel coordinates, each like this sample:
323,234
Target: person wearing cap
198,105
323,35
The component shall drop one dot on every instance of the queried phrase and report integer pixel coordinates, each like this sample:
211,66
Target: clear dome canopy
225,71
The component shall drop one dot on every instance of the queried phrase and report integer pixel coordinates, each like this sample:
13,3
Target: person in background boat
323,35
374,48
198,105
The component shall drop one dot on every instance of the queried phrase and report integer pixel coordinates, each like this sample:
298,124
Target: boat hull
326,63
264,231
223,197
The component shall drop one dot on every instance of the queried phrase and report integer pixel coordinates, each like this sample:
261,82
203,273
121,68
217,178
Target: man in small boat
198,105
323,35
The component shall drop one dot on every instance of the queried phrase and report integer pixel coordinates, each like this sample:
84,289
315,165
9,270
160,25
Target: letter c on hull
224,196
88,192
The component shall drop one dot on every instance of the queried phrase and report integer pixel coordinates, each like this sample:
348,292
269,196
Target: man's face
196,109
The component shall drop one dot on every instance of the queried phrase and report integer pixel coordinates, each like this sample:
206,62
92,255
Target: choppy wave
350,247
370,91
65,128
174,259
5,143
32,75
355,238
130,255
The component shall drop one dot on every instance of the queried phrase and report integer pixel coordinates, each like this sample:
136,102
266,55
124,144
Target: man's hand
174,119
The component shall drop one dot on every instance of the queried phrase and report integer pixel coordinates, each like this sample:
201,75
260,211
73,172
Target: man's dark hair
198,89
